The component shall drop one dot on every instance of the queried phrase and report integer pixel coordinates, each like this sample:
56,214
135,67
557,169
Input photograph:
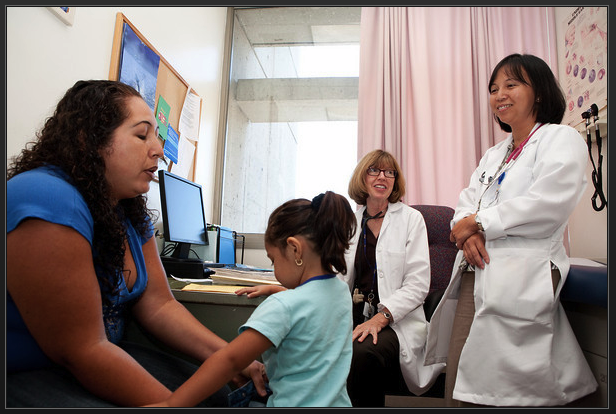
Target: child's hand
261,290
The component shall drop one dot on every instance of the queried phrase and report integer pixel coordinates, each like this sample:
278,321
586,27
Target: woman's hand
462,230
372,327
475,252
261,290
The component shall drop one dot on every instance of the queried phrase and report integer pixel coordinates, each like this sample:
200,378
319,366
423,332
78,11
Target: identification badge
368,311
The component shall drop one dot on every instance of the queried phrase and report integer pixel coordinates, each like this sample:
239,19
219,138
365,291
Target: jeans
246,396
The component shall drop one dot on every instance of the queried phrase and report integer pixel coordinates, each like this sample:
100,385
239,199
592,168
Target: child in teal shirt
303,333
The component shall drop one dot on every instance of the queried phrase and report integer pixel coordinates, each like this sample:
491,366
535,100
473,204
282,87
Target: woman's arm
168,320
218,369
51,278
163,316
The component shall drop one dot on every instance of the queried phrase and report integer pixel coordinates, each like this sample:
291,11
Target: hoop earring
299,262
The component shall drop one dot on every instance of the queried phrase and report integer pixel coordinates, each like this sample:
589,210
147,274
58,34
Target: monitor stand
182,251
182,266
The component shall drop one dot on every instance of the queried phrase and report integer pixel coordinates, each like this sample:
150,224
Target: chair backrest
442,251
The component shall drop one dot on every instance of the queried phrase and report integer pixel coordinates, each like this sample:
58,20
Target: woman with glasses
388,274
511,343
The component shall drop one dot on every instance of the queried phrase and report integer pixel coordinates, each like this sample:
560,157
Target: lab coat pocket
516,284
393,261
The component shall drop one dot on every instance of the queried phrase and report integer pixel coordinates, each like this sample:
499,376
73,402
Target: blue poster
171,145
139,66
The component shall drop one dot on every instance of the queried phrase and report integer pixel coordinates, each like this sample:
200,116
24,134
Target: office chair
442,256
442,251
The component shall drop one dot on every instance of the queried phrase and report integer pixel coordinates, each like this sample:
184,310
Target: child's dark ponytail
327,222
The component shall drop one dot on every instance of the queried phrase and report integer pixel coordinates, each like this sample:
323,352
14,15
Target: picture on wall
139,66
585,63
66,14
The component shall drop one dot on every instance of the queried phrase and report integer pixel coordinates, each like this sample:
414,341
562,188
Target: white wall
45,57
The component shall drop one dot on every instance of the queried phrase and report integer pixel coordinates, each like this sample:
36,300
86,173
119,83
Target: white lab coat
403,271
521,350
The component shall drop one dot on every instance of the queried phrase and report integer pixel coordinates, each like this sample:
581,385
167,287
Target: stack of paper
212,288
243,277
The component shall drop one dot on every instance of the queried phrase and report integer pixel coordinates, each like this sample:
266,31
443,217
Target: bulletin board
169,83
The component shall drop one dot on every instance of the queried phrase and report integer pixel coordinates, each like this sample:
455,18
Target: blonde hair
379,159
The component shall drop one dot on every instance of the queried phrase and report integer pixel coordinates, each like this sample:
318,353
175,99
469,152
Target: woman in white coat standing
500,326
388,272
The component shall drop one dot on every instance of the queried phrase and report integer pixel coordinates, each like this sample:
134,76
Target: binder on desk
223,250
226,246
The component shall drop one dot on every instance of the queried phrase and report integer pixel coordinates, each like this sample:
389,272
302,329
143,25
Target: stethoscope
508,161
500,172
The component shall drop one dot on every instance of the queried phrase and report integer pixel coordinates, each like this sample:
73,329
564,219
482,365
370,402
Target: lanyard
327,276
502,169
372,266
518,150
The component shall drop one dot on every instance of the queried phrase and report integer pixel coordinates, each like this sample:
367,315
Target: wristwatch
387,315
478,222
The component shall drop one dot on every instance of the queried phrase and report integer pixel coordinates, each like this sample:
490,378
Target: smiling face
131,160
512,101
380,187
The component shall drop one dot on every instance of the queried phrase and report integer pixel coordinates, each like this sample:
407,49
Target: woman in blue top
81,259
303,331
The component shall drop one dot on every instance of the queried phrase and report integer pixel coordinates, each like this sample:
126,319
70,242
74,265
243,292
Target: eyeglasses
376,171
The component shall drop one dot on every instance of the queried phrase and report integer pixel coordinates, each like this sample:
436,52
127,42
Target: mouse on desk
207,271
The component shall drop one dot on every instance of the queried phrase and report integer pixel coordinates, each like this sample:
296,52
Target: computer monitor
182,213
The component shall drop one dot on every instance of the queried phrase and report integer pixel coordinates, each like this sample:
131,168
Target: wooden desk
222,313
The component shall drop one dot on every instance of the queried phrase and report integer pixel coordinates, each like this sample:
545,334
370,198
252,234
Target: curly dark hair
72,139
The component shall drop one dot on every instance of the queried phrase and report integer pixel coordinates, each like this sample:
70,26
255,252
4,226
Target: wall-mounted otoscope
597,178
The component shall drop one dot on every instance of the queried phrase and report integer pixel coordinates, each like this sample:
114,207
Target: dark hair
379,159
81,126
328,222
533,71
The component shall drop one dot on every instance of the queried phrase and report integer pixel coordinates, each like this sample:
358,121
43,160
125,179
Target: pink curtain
423,93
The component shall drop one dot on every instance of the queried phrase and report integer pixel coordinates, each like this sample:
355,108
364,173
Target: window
291,123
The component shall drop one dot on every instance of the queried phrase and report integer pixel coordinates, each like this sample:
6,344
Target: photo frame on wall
139,66
66,14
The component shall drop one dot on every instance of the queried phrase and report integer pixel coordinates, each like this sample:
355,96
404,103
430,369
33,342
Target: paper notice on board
186,153
189,117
